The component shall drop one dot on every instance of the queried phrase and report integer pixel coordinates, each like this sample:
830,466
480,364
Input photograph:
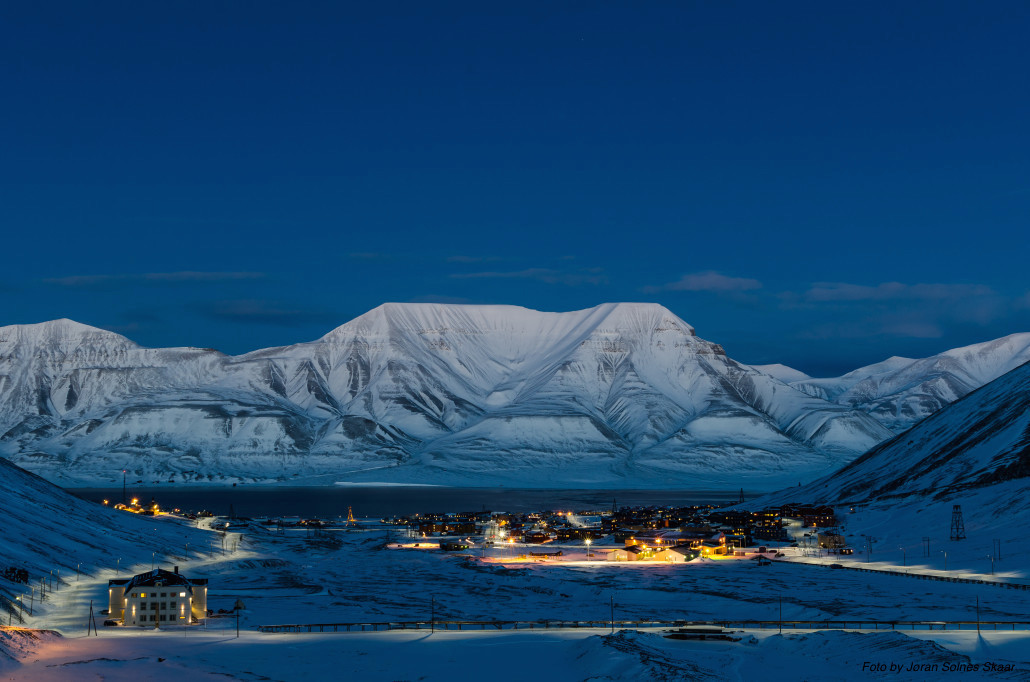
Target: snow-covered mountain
616,395
901,391
981,443
782,372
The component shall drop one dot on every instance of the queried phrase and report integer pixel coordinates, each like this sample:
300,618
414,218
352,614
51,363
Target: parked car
847,550
111,622
836,566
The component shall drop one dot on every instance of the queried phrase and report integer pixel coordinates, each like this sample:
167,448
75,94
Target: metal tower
958,528
350,515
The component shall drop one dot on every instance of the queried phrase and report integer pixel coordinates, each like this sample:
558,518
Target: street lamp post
904,561
991,557
588,549
153,560
118,568
945,560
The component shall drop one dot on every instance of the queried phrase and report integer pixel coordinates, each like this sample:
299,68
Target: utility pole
92,621
432,614
978,615
613,601
781,614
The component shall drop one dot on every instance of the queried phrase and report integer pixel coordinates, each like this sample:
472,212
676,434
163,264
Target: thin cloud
183,277
370,256
471,259
826,292
709,280
264,312
592,276
434,298
870,327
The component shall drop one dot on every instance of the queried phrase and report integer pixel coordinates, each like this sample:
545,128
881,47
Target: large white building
158,597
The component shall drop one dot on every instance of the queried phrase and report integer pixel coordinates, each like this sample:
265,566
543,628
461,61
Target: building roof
159,575
683,550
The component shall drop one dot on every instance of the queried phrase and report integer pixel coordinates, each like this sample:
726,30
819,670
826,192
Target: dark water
378,502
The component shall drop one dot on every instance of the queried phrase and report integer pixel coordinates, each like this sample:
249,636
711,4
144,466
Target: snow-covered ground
517,656
354,576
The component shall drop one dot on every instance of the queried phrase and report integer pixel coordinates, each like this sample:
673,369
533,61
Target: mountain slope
49,532
619,394
980,441
901,391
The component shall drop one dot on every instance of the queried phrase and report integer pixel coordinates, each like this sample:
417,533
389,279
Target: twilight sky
823,185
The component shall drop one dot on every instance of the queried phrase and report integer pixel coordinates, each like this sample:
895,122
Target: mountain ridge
421,392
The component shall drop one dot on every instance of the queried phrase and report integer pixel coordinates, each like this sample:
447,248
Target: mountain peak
441,317
60,331
782,372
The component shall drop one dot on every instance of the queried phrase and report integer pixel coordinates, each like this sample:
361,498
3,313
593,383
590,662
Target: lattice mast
958,528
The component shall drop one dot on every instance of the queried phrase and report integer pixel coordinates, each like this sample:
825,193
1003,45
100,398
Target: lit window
182,594
142,595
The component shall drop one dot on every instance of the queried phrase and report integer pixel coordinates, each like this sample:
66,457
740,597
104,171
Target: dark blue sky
818,184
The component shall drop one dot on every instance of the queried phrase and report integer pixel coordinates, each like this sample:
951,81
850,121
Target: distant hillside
901,391
979,442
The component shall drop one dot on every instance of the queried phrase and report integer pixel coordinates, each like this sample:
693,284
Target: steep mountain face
979,443
899,392
620,394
